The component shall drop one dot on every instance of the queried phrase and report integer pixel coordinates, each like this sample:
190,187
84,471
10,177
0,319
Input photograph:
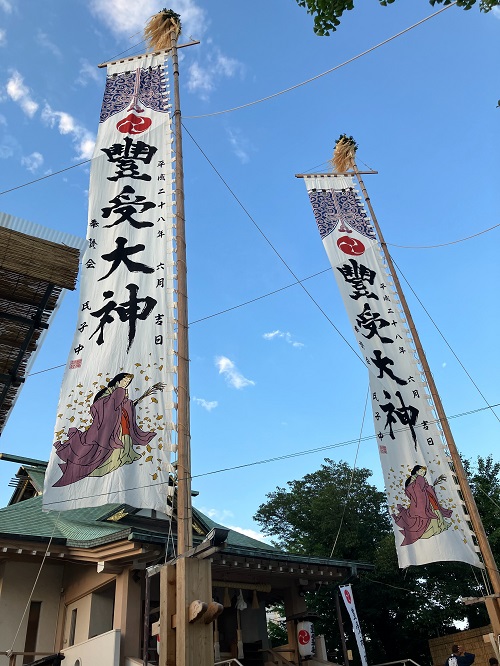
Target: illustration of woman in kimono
424,517
109,441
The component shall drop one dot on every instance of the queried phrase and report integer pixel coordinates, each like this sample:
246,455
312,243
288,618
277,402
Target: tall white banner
346,592
113,433
428,516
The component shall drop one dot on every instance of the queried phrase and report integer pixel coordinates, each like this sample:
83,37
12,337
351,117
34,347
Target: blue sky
274,377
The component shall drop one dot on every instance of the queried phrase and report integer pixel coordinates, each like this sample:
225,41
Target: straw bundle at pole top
159,28
344,154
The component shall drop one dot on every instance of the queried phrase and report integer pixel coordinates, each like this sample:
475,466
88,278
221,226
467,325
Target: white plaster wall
17,582
82,620
103,650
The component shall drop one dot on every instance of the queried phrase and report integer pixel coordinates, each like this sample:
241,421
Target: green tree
484,480
304,517
327,13
399,610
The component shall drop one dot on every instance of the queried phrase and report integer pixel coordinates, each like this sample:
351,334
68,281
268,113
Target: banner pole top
194,42
334,175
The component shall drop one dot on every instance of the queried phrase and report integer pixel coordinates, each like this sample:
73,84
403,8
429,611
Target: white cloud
8,146
20,93
87,73
128,20
199,81
217,515
3,37
253,534
32,162
202,79
206,404
83,140
284,336
496,12
125,19
6,6
239,145
43,40
233,376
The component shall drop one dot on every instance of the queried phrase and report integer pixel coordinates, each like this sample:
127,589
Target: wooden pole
146,625
341,626
477,524
184,510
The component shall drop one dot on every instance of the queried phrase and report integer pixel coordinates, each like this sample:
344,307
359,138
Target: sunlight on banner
115,419
427,513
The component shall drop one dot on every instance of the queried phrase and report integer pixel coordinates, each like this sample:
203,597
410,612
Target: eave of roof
90,528
35,270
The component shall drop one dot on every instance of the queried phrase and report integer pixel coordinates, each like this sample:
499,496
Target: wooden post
184,511
194,642
477,524
168,595
147,624
341,626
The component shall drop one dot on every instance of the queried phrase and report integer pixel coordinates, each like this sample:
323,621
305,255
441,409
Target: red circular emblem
133,124
347,596
350,246
304,637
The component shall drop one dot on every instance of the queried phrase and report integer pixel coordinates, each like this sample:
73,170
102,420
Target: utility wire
49,175
352,475
258,298
272,246
286,456
430,247
447,343
328,71
46,554
12,189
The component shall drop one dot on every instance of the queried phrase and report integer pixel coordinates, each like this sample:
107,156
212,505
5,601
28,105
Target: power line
447,343
258,298
328,71
286,456
430,247
49,175
272,246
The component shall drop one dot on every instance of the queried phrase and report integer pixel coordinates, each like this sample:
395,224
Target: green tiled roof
89,527
80,527
37,477
235,538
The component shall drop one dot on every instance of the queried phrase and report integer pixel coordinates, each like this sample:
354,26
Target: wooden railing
34,655
400,661
275,655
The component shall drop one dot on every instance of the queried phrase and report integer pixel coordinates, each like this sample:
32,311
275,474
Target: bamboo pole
477,524
184,510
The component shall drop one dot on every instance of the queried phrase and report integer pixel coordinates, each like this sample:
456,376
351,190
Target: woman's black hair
113,382
413,472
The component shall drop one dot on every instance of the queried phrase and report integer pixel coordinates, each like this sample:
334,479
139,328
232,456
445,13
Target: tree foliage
327,13
399,610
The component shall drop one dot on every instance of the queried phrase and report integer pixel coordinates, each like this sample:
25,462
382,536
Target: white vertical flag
428,516
346,592
113,433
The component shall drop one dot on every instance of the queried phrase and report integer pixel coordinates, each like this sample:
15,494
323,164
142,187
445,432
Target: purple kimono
83,452
414,520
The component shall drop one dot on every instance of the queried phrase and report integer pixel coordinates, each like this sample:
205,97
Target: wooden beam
194,642
168,595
